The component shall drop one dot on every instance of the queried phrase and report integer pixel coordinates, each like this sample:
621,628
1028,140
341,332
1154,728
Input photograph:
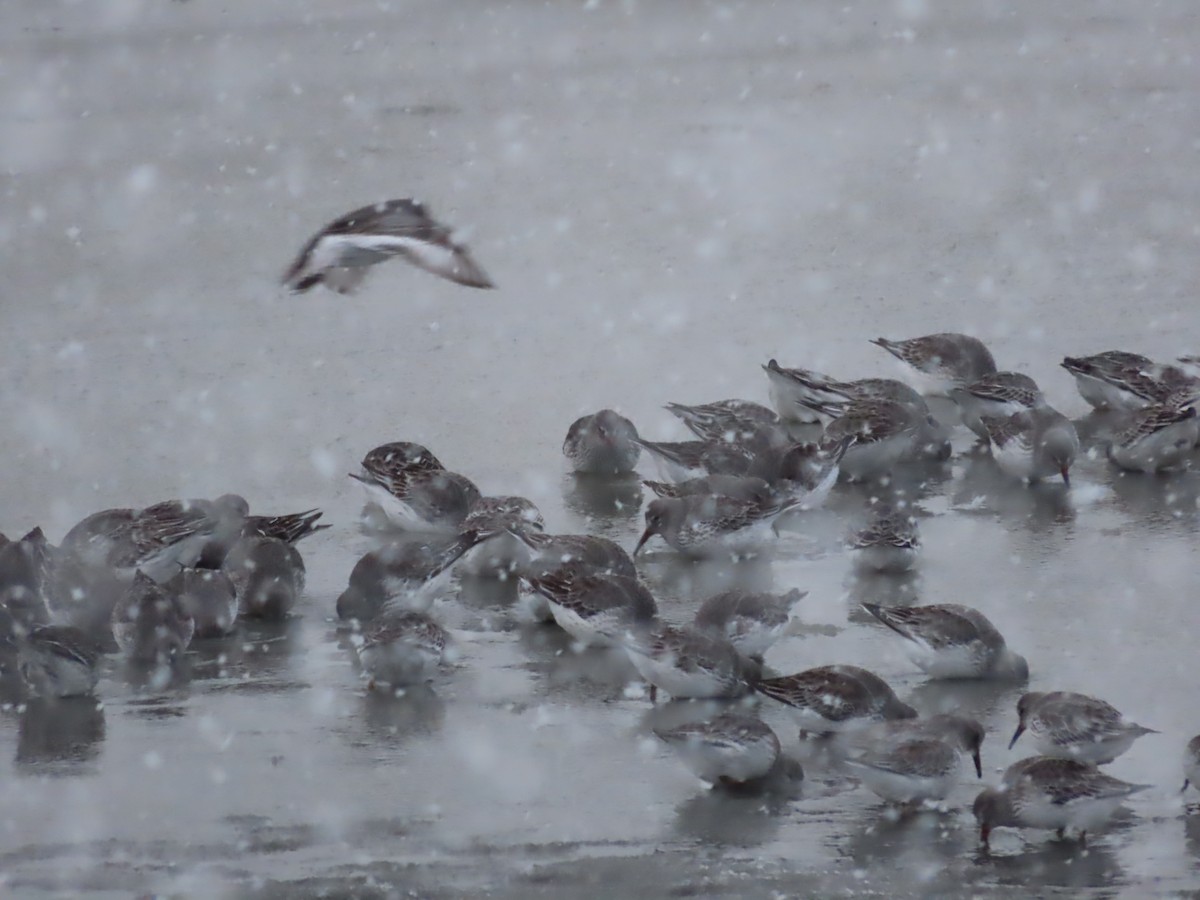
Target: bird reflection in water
603,498
59,736
397,716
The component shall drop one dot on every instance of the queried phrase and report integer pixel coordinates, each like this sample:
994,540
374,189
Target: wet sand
668,195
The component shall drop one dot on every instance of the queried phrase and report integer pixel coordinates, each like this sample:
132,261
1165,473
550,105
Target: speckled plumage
1043,792
751,620
836,698
1075,726
731,749
1158,438
948,640
941,362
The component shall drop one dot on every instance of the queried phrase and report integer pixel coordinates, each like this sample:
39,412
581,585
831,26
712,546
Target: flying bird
339,254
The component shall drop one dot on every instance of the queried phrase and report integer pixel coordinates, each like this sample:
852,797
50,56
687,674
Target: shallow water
668,195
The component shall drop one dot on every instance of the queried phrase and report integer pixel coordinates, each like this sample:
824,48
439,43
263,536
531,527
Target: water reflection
914,841
1191,827
742,818
1056,863
155,678
566,669
404,714
603,500
1039,507
1162,503
59,736
673,575
1098,428
486,604
212,657
257,658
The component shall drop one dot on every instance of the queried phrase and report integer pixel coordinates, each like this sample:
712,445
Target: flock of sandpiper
148,581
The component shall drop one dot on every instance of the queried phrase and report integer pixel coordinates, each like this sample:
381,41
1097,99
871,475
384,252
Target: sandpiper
290,527
1159,438
751,620
402,649
151,625
408,575
548,552
805,396
740,487
595,609
730,750
1044,792
964,733
684,460
1033,444
911,770
996,396
40,583
1075,726
209,597
941,362
339,255
949,640
807,472
730,420
836,698
59,661
412,489
491,525
882,433
158,539
689,664
793,392
888,543
268,575
1119,380
704,525
603,443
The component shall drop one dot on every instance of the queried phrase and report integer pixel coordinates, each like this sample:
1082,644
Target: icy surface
667,194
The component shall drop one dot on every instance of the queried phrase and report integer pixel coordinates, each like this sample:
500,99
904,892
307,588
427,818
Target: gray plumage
836,698
59,661
1033,444
209,597
751,620
1158,438
943,361
688,663
595,608
702,525
268,575
888,542
1075,726
150,624
603,443
1042,792
949,640
157,539
402,649
408,575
